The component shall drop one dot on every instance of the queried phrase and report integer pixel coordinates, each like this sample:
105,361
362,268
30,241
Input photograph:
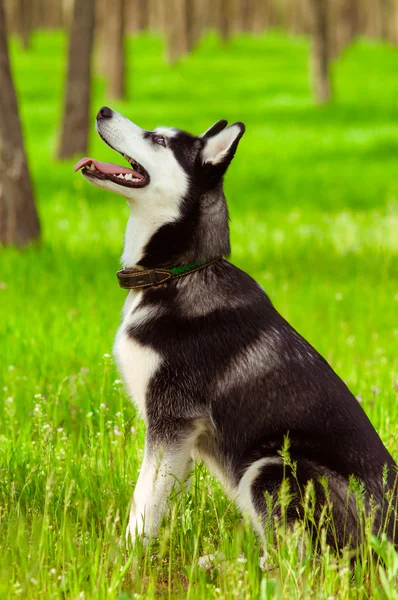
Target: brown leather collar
133,279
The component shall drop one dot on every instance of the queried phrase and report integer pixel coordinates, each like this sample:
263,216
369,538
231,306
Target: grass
313,201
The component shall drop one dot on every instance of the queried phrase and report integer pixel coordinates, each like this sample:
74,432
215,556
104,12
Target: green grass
313,201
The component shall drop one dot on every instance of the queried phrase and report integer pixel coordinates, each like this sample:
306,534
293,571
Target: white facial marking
168,132
155,204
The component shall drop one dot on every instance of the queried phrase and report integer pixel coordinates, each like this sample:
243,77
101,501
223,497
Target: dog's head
171,177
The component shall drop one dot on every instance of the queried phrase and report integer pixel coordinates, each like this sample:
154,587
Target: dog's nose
104,113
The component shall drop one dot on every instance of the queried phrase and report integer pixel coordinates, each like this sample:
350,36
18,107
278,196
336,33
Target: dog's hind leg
247,497
332,506
164,465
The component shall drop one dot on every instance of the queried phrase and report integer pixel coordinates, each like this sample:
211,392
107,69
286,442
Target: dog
216,372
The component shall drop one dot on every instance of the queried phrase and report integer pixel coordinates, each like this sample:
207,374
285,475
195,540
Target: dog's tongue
108,168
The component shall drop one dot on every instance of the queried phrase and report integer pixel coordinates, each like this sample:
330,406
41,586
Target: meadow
313,197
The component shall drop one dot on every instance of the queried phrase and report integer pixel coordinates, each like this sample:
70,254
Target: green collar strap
133,279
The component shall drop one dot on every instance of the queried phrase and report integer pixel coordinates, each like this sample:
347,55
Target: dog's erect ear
220,148
216,128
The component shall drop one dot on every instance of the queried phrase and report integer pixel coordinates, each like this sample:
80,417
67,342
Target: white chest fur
137,363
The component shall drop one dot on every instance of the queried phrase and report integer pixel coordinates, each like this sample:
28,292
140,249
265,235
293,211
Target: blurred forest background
313,199
97,27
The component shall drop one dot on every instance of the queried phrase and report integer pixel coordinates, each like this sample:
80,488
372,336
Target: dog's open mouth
136,177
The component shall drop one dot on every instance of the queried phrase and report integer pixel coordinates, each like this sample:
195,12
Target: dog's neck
158,240
140,229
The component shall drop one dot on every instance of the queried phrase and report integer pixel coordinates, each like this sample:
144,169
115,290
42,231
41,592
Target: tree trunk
143,15
280,10
234,8
25,19
392,24
343,25
225,17
115,51
320,55
197,20
67,13
373,16
37,14
245,10
19,223
74,137
384,15
175,19
300,17
258,20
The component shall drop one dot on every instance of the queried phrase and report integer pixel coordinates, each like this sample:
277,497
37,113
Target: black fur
219,317
181,241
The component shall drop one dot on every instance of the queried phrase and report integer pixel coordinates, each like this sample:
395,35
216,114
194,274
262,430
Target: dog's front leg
164,466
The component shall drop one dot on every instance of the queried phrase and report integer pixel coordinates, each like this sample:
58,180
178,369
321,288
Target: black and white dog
215,371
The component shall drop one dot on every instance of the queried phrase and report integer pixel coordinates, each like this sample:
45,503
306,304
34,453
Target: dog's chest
137,363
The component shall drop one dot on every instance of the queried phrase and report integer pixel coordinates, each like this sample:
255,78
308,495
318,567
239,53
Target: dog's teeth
92,167
120,176
135,179
128,176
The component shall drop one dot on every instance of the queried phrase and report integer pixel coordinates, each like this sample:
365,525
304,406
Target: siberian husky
216,372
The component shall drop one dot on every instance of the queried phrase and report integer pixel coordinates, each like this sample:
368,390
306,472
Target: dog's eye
159,139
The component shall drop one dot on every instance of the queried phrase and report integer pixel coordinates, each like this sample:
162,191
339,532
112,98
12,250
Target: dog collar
132,279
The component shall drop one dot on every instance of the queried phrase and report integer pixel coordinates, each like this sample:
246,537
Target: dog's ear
216,128
220,148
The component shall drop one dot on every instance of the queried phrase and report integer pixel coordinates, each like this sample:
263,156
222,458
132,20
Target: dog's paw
131,534
135,532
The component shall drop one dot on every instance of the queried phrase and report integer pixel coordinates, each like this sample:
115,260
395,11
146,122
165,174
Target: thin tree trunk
100,48
24,22
74,137
143,15
280,10
37,14
392,27
19,223
320,55
51,14
115,51
235,16
245,10
154,15
197,24
259,16
192,32
343,25
300,17
373,11
384,15
225,17
67,13
176,28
